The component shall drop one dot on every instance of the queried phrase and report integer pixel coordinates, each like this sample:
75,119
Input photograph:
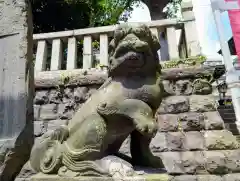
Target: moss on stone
157,177
187,62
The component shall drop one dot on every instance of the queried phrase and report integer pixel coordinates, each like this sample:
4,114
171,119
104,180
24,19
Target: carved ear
120,32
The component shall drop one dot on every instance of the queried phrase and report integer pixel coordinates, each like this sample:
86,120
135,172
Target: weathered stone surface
180,87
193,162
209,178
172,162
201,87
66,111
48,112
191,121
80,77
233,160
55,97
168,122
193,141
187,73
231,177
220,140
42,177
174,105
181,122
202,103
175,141
159,143
216,162
41,97
213,121
26,173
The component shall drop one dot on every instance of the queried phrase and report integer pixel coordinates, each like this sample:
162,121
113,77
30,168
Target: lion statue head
133,51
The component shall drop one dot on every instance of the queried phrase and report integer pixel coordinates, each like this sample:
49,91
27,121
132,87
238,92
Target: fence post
193,45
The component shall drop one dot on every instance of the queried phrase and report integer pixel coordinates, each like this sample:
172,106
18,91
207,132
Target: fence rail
60,50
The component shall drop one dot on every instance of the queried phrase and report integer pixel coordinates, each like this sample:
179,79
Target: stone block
202,103
193,141
68,93
159,143
174,105
209,178
175,141
191,121
201,87
213,121
220,140
65,111
231,177
55,97
233,160
167,122
41,97
48,112
172,162
216,162
193,162
180,87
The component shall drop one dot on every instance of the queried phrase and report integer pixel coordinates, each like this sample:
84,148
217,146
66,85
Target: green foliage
173,9
60,15
191,61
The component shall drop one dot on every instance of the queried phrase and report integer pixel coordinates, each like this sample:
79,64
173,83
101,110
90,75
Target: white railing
58,42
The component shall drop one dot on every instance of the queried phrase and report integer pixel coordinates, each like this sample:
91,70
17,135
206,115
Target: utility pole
232,73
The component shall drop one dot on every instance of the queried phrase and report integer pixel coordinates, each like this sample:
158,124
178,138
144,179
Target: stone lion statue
123,106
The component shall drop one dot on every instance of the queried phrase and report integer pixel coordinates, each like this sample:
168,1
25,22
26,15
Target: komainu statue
123,106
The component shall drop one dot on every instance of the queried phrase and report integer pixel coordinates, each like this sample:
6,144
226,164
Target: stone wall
192,140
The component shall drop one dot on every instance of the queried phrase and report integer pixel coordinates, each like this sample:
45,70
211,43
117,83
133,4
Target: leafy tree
60,15
173,9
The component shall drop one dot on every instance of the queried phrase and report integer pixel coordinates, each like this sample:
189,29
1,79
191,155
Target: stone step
189,141
191,121
192,103
201,162
194,140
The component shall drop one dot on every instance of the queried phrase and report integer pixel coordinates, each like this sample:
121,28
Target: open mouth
134,59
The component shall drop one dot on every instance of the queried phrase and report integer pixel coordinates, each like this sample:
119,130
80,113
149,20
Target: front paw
149,128
60,134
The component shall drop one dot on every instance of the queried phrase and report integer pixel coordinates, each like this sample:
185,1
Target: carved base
149,177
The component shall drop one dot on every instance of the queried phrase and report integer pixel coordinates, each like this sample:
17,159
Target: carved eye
103,105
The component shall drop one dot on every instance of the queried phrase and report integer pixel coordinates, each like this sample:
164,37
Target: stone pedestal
16,87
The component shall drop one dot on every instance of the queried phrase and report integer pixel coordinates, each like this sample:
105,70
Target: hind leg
86,143
141,153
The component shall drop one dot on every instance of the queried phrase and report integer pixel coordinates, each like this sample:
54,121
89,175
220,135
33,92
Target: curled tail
46,156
